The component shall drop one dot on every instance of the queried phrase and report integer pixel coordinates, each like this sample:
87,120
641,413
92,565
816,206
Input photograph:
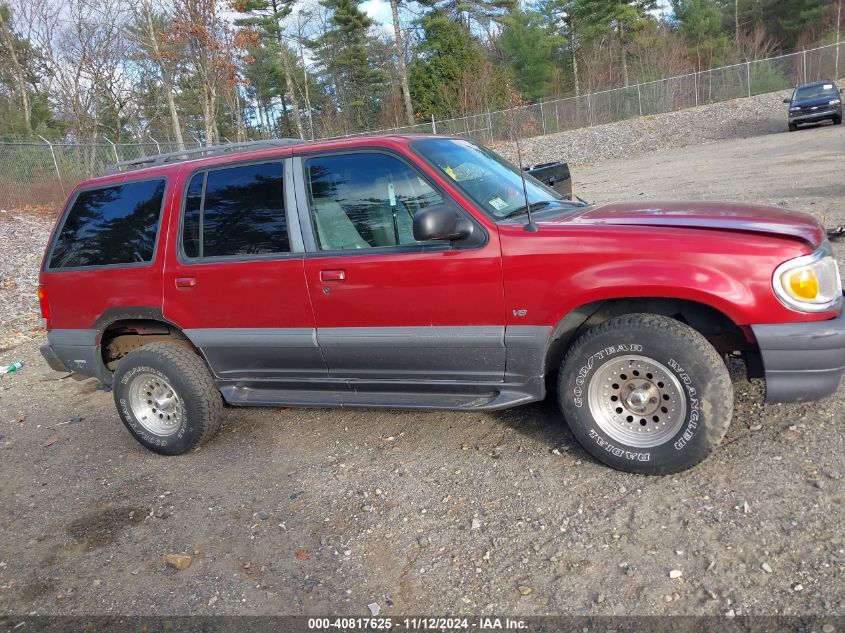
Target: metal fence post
158,147
589,109
543,118
804,65
433,125
695,83
114,149
55,163
640,99
557,115
748,75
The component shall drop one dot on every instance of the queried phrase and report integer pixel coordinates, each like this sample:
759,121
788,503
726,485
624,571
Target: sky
378,10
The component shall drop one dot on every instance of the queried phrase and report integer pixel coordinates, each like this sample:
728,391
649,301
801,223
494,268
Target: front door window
364,201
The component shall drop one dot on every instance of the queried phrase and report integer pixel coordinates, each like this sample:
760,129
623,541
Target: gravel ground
762,114
23,234
327,511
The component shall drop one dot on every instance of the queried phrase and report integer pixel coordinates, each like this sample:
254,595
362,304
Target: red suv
421,272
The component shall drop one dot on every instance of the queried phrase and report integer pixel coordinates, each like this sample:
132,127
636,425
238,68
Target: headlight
810,283
794,109
834,102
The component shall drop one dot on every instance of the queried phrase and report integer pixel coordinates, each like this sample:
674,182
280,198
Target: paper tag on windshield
391,193
828,86
497,203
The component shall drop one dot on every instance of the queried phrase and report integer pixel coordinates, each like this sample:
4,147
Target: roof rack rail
199,152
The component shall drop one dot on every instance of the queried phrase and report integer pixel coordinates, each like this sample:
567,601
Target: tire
679,398
166,398
793,127
837,120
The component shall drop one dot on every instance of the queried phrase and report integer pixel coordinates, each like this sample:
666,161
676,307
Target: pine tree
528,50
700,22
266,18
17,71
343,51
447,49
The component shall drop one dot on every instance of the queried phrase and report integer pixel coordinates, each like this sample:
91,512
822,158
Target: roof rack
200,152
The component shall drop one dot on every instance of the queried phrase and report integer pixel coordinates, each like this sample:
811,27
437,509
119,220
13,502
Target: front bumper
802,361
809,117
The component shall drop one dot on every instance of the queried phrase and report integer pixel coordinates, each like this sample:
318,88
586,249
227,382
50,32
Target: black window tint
365,200
110,225
243,212
191,225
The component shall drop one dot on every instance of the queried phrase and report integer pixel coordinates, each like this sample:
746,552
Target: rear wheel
646,394
837,120
166,398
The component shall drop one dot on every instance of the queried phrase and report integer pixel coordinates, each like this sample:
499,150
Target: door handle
186,282
332,275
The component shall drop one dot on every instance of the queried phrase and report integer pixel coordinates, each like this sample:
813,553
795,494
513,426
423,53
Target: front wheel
837,120
645,393
793,127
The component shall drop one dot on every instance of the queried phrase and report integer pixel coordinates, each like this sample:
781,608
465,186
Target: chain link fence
44,173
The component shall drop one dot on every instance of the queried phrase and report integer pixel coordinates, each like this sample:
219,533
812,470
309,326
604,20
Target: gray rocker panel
470,353
260,352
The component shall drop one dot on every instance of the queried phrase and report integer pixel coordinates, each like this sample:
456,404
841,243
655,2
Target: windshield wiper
523,209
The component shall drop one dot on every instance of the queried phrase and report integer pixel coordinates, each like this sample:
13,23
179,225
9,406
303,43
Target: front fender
549,273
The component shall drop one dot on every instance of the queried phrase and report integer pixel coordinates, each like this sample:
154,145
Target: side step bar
248,396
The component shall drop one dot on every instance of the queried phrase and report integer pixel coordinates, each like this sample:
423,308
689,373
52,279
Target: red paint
461,287
719,254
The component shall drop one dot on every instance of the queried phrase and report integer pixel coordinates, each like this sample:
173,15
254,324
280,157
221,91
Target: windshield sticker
497,203
828,87
451,172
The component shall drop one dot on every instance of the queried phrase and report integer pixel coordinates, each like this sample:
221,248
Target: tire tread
715,429
192,368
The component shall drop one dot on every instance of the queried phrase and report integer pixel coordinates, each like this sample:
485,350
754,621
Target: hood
815,101
727,216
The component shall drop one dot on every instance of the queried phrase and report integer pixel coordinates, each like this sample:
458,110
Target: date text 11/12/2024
416,623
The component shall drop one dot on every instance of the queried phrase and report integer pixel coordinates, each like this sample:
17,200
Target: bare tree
151,40
400,62
198,27
303,19
84,48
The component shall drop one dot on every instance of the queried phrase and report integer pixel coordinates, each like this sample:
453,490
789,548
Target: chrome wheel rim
155,404
637,401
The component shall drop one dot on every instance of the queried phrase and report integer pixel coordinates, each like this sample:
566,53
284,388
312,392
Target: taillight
45,306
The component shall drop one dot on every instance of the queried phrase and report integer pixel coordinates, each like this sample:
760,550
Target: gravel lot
327,511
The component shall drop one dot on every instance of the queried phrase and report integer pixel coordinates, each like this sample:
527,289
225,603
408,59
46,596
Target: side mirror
440,222
786,101
842,91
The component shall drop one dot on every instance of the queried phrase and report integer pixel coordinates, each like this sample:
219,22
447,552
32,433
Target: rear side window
236,211
110,226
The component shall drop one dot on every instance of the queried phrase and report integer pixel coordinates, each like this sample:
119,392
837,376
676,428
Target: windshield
815,92
491,181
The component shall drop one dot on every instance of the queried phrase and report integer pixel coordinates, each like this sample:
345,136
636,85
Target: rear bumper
55,363
802,361
75,351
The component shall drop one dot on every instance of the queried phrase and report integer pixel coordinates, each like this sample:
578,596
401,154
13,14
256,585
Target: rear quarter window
110,226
